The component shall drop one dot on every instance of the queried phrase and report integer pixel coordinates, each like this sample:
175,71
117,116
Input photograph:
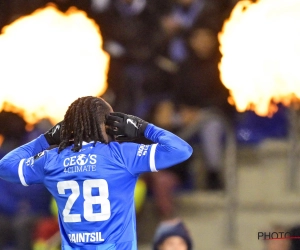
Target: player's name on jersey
85,237
75,169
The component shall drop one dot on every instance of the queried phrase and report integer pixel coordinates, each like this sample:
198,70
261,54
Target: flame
49,59
260,49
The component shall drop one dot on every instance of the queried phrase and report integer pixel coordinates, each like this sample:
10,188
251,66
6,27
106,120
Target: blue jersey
94,188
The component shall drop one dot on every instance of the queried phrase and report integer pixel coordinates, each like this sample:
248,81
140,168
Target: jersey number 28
89,200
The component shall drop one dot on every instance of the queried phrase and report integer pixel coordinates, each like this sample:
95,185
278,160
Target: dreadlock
82,122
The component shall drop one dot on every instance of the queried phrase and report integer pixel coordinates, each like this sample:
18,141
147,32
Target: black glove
125,127
53,134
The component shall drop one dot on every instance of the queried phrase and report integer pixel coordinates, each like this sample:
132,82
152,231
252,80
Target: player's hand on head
125,127
53,134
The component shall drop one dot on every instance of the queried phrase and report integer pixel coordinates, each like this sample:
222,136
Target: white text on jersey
80,160
86,237
142,150
76,169
80,163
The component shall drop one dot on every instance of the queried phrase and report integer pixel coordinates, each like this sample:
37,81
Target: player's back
94,192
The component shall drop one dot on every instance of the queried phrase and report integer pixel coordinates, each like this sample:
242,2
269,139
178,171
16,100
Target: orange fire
260,49
49,59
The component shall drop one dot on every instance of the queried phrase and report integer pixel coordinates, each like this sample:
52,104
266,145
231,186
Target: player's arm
167,150
12,164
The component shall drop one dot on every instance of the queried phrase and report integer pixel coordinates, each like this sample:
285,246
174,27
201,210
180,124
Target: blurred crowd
26,217
164,69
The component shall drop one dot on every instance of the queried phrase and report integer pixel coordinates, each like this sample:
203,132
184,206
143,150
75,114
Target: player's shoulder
121,145
115,147
120,149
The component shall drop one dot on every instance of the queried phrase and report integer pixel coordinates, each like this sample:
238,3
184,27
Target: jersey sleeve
166,151
24,164
169,150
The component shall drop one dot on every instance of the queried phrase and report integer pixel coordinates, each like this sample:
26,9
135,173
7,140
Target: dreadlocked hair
82,122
